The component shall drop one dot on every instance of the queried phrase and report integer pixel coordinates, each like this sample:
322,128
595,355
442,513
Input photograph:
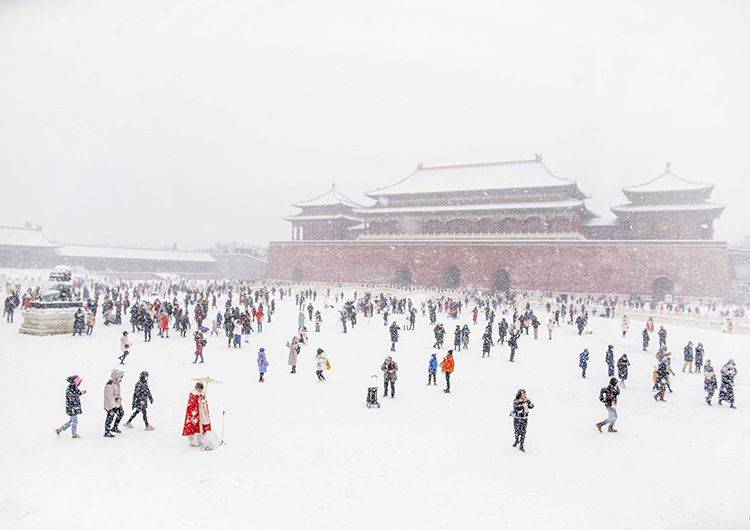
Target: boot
128,425
75,436
598,427
58,431
521,448
118,431
708,401
109,435
515,443
612,429
150,427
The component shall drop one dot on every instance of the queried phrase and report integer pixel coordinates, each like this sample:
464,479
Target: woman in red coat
197,419
164,325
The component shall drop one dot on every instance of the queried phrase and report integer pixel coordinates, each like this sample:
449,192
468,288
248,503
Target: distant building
506,225
239,266
122,261
23,247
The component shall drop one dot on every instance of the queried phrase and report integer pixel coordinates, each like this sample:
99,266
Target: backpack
604,394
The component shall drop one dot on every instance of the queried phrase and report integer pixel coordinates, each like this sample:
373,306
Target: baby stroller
372,393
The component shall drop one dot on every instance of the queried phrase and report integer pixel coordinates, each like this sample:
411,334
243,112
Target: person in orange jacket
447,366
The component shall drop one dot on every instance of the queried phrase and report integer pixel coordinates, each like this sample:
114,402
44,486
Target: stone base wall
698,269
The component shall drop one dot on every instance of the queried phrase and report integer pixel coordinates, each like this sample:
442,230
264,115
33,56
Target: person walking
709,381
726,390
608,396
699,353
125,345
321,363
583,362
447,366
200,343
520,414
141,398
113,404
394,334
72,406
622,368
609,358
513,343
687,357
390,369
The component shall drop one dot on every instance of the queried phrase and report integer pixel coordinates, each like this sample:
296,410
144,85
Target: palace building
506,225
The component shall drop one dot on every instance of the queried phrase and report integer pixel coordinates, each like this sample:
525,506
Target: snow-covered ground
304,454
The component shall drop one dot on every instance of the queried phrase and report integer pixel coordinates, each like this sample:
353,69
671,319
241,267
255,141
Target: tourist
294,350
709,381
662,337
699,353
321,363
125,345
197,418
583,361
79,322
432,370
520,414
550,327
502,329
646,338
447,365
439,332
487,341
141,398
726,390
609,358
148,325
622,368
687,357
262,364
394,334
90,320
390,369
625,325
608,396
513,343
72,406
200,343
113,404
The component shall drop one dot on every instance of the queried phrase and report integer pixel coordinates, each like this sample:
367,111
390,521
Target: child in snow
262,364
432,370
72,406
321,363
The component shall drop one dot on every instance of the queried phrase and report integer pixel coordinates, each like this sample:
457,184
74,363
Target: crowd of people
508,320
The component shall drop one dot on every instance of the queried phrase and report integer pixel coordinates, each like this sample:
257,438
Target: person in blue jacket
262,364
432,370
583,361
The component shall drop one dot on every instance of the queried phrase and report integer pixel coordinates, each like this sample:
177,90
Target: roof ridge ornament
668,167
537,157
419,166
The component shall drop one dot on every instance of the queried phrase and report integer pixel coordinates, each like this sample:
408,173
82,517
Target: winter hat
125,333
262,350
613,381
320,350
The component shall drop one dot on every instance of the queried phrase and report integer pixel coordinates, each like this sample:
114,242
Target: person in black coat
79,322
148,325
622,368
699,352
662,337
520,414
72,406
394,335
608,396
439,332
487,341
609,358
513,343
141,398
646,338
502,328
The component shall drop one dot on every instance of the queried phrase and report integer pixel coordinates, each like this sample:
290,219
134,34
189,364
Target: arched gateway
451,277
661,288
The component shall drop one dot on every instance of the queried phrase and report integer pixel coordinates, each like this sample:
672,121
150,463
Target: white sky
149,122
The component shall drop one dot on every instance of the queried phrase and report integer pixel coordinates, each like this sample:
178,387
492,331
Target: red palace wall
698,269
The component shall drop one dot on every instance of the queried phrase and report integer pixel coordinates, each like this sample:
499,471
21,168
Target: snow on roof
667,181
330,198
518,174
86,251
19,236
668,207
321,217
572,203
